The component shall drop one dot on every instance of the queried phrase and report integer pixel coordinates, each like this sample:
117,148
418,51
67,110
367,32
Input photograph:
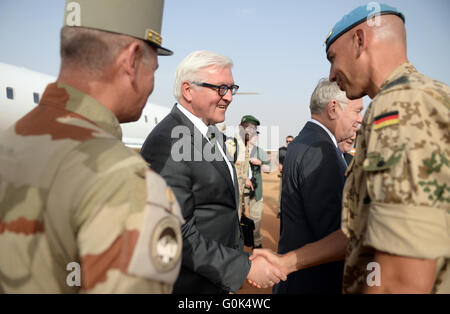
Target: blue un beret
357,16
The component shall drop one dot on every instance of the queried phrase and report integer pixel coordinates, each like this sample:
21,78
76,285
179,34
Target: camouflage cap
141,19
357,16
250,119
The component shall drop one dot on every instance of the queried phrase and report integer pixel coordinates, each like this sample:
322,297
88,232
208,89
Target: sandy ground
270,224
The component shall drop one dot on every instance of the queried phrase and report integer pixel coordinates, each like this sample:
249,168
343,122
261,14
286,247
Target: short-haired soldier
79,211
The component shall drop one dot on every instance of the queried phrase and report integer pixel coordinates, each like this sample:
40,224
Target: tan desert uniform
70,191
242,164
397,194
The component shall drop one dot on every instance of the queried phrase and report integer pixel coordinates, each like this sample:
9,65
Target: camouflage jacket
241,164
397,194
79,211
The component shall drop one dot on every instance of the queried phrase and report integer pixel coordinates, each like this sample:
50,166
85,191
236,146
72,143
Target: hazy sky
277,46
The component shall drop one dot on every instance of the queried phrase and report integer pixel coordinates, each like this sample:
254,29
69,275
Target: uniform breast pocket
383,159
385,173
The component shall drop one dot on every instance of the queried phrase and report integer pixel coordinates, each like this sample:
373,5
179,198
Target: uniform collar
402,70
86,106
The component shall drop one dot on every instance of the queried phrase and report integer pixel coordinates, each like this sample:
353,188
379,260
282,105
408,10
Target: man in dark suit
188,152
313,180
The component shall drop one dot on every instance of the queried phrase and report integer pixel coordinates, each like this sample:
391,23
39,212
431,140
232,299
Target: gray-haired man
313,180
213,260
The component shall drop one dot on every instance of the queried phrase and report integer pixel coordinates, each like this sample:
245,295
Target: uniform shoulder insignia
157,255
166,245
386,119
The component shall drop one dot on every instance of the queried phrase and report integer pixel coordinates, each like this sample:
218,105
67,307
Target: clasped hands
267,269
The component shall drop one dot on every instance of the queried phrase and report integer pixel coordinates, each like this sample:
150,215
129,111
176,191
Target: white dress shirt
203,128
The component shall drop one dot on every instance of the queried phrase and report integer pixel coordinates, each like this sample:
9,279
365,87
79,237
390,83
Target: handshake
267,269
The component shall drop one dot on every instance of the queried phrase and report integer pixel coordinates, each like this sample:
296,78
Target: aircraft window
146,120
9,93
156,120
36,98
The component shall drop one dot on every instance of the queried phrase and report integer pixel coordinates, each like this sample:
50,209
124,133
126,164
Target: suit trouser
256,211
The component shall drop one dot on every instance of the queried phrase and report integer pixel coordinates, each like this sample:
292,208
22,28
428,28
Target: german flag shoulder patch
385,119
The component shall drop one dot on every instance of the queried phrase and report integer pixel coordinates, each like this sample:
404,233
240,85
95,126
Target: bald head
385,30
363,57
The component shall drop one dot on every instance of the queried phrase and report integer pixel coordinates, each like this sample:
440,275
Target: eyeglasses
221,89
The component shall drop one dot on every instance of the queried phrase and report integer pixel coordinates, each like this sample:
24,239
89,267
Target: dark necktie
211,135
341,156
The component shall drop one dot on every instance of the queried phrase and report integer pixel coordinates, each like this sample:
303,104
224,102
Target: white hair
189,69
324,92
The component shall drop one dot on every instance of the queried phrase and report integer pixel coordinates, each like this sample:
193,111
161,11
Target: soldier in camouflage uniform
249,160
259,161
242,162
396,202
79,211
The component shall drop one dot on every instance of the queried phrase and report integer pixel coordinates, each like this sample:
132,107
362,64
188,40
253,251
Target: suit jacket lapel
200,146
235,179
219,163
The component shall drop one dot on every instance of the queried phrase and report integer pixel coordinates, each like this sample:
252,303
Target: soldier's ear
359,41
131,59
